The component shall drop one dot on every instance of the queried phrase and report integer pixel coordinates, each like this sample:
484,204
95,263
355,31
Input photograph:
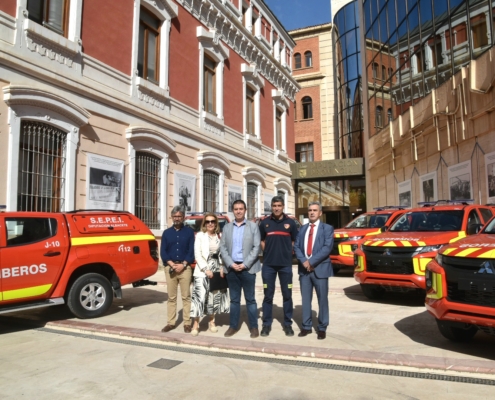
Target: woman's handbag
218,283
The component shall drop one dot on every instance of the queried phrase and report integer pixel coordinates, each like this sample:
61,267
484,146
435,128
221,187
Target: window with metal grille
42,152
210,191
304,152
252,200
147,196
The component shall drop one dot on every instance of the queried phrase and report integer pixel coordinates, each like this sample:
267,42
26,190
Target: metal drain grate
307,364
164,363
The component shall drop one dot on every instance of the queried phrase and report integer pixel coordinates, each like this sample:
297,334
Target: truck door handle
52,254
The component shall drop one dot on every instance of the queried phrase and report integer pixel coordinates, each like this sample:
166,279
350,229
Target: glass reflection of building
414,46
348,80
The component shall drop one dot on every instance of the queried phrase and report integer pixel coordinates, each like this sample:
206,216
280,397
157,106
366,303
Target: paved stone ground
397,331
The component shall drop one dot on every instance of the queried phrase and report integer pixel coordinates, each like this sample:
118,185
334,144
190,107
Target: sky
295,14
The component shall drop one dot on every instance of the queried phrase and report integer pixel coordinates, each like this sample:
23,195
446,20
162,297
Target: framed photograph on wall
405,194
460,186
104,183
185,191
235,193
428,190
490,176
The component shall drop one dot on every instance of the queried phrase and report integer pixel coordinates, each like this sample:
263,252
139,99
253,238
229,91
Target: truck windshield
490,228
429,221
369,221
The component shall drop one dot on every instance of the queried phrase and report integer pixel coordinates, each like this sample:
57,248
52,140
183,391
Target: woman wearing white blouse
206,252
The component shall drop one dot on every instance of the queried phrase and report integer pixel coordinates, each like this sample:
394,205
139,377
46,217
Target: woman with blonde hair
208,275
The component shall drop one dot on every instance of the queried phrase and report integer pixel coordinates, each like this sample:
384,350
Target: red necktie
309,249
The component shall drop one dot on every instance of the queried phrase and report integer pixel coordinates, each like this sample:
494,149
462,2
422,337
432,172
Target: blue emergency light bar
388,208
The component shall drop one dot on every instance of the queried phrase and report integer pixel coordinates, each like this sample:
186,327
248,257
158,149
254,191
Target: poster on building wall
267,203
405,194
235,193
104,183
428,187
185,191
460,187
490,176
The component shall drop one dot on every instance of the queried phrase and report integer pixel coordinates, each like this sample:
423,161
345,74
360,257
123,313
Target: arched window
147,189
252,200
389,114
375,70
308,58
307,104
384,73
297,60
379,117
210,192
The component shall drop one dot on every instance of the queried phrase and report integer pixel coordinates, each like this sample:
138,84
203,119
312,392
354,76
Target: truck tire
373,292
456,331
90,296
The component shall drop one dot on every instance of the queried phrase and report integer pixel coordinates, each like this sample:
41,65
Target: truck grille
389,260
470,280
335,249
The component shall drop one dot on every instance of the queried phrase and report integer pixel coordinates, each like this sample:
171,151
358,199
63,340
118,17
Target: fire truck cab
396,259
460,286
80,258
346,240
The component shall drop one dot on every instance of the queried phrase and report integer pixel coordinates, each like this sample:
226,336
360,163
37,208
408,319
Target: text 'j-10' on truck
81,258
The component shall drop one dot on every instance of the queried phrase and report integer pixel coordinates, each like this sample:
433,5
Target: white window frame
258,177
252,78
38,105
157,143
210,44
284,185
165,11
281,104
217,163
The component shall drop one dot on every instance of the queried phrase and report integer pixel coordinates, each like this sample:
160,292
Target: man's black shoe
288,330
265,331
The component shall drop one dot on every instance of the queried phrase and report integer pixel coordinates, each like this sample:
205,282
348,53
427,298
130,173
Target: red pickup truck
80,258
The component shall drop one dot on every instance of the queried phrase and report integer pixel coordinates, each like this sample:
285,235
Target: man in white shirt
312,247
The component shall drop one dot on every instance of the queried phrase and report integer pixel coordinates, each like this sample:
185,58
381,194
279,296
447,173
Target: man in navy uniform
313,246
278,233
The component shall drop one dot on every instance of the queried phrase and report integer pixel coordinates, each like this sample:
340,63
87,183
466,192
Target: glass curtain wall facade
348,80
413,46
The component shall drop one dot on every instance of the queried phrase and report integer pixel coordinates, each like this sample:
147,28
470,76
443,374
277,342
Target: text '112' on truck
396,260
81,258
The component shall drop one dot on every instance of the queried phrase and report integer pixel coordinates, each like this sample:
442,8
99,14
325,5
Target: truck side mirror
383,229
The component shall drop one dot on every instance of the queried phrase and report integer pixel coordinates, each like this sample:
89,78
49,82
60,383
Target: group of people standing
226,267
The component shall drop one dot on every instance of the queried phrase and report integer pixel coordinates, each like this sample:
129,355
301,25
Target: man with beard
177,252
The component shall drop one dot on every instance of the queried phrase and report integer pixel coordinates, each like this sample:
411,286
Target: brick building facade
140,105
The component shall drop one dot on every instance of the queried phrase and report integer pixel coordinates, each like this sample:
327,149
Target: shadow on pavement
37,318
407,299
421,328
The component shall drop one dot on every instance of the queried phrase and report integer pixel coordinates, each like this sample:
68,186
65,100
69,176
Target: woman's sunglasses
210,221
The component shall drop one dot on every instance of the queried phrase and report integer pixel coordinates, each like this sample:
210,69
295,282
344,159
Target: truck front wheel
90,296
456,331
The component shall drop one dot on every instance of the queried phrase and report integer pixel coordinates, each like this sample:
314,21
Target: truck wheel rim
92,296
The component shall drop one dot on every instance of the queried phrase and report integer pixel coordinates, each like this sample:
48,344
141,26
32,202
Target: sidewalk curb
257,346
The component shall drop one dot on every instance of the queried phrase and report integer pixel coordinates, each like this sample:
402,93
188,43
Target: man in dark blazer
312,247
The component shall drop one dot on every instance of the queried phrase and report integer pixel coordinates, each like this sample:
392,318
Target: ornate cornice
150,135
214,15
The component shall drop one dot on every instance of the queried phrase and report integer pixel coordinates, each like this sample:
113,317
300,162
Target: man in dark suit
312,247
